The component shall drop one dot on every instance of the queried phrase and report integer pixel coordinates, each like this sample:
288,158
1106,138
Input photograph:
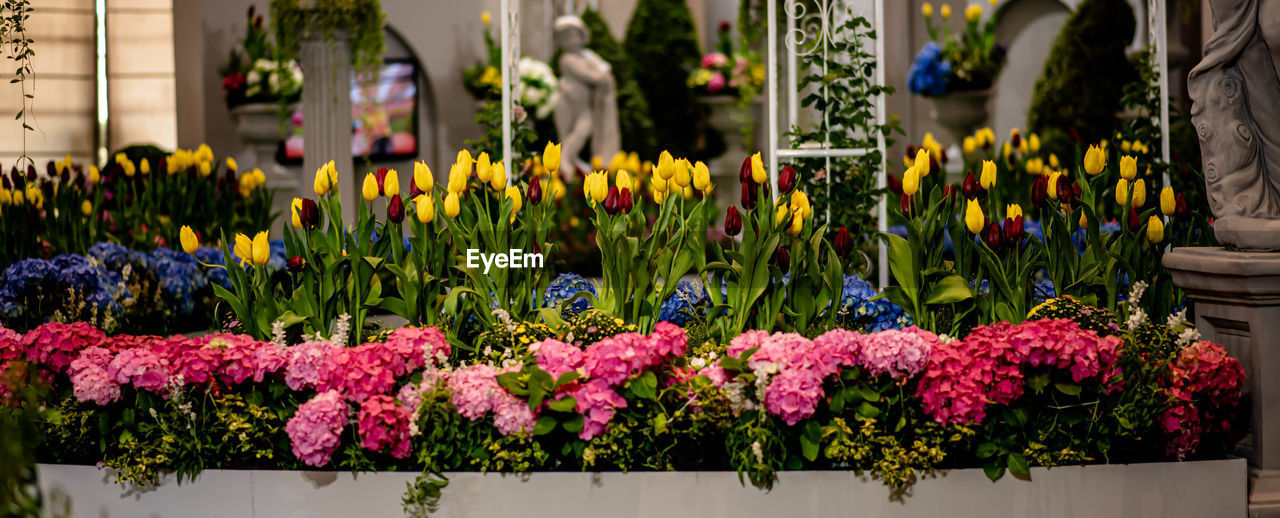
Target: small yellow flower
973,12
86,207
95,176
973,218
128,167
370,188
1006,151
946,11
1128,167
261,248
1168,201
188,238
1126,146
484,168
425,209
1013,210
243,248
451,205
145,166
1053,161
485,18
1084,222
758,174
623,180
499,180
911,181
551,157
295,210
988,177
422,177
1033,143
1095,159
1155,230
927,10
701,177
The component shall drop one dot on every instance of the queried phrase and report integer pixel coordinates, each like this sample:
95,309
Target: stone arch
427,117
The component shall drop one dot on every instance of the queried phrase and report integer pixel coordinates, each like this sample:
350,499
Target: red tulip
894,184
949,193
1040,191
787,179
534,192
1013,231
994,236
296,263
732,222
624,200
744,173
843,243
1134,224
971,188
783,259
1066,193
748,194
905,204
611,202
414,191
309,215
381,175
395,210
1181,208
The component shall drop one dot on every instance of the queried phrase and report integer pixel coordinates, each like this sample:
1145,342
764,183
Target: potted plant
256,82
957,71
728,82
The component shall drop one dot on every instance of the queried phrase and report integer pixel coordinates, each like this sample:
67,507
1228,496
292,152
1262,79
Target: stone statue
588,108
1235,91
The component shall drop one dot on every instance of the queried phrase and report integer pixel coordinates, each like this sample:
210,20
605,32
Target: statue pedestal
1237,304
326,115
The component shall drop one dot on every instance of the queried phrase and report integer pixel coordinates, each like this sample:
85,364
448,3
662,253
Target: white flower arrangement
539,88
273,79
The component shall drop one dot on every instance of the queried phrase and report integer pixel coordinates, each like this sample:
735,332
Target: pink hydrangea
384,426
366,370
793,395
714,60
141,367
597,402
512,414
315,431
747,340
55,344
473,388
239,357
10,344
269,360
556,357
619,357
89,379
194,359
310,364
900,354
1205,387
419,347
716,82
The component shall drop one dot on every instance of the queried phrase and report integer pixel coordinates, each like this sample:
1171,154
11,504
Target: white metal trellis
1158,38
509,34
795,42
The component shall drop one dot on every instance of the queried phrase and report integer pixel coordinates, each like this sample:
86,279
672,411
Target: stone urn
730,118
258,125
961,113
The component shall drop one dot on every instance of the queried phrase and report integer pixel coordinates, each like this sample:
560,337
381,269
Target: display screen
384,111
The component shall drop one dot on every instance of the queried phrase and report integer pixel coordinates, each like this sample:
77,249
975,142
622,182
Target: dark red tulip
724,26
51,169
744,174
1065,192
257,22
748,195
970,187
395,210
994,236
783,259
1015,140
894,184
4,182
934,165
1075,190
624,200
31,172
534,192
1181,208
65,175
414,191
1134,224
309,214
252,9
1040,191
296,263
732,222
1013,231
843,242
381,175
611,202
949,193
911,152
905,204
787,179
1075,135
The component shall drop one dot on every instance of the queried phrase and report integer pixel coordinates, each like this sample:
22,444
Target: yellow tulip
451,206
86,207
243,248
1155,230
946,11
600,189
422,177
1033,143
370,188
1122,192
1053,184
623,180
797,224
17,197
1094,160
1168,201
758,174
681,176
261,248
188,238
701,177
499,179
970,145
927,10
484,18
800,203
973,218
295,209
457,178
205,169
204,153
1126,146
1128,167
321,184
95,176
464,163
1013,210
425,209
484,168
551,157
911,181
5,196
921,164
231,164
1139,193
657,184
780,213
1053,161
666,165
973,12
1006,151
145,166
129,170
332,172
513,193
391,183
1084,222
988,177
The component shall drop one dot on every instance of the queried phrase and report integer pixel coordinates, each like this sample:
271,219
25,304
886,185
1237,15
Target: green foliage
20,437
594,325
663,46
362,20
16,46
1084,76
633,109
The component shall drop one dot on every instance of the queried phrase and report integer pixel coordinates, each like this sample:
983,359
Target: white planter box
1202,489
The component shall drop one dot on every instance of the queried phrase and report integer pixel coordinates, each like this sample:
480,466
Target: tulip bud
1181,208
1013,231
971,188
949,193
994,236
681,175
296,263
782,258
988,177
1168,201
624,199
748,195
973,218
1155,230
551,157
425,209
744,173
1139,192
309,214
370,188
843,243
732,222
534,192
261,248
391,183
484,168
188,239
1015,138
395,209
451,205
904,203
701,177
422,178
611,202
894,184
1133,220
499,179
787,179
911,180
1128,167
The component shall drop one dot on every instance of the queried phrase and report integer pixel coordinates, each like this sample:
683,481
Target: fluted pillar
326,113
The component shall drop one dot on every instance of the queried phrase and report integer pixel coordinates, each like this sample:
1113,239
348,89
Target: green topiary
663,47
633,110
1084,76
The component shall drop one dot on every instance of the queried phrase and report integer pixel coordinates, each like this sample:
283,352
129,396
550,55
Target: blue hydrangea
213,256
26,281
686,303
856,305
179,275
116,256
929,72
564,287
25,277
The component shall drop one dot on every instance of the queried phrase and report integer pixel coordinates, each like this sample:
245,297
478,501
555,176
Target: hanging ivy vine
17,48
361,19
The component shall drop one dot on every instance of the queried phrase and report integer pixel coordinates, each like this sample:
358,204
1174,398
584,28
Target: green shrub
633,110
663,47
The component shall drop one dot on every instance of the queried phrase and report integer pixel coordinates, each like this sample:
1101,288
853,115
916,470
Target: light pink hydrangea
597,402
714,60
55,344
141,367
384,426
793,395
900,354
310,364
556,357
89,379
315,431
512,414
473,388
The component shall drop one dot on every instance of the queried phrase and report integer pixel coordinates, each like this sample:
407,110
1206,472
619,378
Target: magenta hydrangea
556,357
55,345
310,364
10,344
597,402
419,347
239,357
140,367
315,431
384,426
1205,387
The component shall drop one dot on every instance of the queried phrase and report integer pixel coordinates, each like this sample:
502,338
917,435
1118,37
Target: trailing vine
362,19
17,47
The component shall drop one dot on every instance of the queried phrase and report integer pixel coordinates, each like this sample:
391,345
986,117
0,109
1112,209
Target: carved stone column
326,113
